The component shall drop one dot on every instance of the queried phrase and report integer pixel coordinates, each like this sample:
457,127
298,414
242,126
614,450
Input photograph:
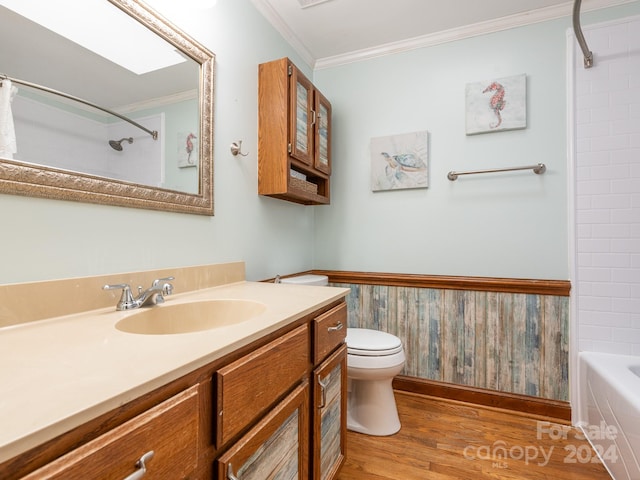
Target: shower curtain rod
588,55
153,133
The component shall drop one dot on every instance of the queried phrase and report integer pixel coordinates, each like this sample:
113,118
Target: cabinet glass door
302,119
323,134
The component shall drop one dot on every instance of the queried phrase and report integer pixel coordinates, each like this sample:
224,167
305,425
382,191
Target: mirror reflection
114,96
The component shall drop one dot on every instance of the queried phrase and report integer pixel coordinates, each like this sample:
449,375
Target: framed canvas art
496,105
400,161
187,149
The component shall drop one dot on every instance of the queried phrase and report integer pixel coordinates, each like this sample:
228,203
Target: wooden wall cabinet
294,135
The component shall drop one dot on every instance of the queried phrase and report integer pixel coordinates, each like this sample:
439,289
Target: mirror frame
40,181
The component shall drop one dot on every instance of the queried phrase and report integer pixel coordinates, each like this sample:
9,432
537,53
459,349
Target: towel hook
236,149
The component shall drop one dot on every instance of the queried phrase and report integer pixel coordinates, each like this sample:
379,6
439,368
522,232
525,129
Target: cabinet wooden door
303,118
322,133
276,447
329,415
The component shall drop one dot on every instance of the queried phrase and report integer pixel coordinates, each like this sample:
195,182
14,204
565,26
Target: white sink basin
167,319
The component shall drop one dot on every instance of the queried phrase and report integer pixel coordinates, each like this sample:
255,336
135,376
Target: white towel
8,144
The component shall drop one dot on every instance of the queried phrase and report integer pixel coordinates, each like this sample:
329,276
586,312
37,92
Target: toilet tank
307,279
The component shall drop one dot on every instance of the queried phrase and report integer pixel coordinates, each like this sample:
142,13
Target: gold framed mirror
28,178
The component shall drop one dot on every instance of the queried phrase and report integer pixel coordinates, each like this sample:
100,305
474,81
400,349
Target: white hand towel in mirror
8,144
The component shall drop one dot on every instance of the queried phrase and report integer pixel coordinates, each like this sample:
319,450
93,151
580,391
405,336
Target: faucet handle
157,281
126,301
167,288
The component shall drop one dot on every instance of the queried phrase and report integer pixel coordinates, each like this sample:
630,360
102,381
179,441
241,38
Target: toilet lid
364,341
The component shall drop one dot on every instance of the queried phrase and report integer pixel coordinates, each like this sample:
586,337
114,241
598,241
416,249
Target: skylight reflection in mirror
130,45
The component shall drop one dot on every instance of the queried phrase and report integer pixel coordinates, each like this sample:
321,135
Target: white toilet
373,359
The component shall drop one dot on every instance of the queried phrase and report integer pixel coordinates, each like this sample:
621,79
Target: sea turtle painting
399,161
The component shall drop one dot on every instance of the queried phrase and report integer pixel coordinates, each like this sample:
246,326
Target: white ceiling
333,32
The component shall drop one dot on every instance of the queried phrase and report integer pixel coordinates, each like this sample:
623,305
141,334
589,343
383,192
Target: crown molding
276,21
468,31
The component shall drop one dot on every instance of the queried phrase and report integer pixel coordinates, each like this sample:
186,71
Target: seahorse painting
496,102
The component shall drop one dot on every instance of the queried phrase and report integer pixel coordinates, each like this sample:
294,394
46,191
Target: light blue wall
47,239
513,225
499,225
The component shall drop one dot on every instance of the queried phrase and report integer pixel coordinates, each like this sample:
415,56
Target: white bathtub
610,410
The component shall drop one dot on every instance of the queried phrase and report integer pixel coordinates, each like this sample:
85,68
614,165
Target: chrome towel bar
539,169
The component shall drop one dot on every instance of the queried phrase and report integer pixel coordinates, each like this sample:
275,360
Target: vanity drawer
169,429
247,387
329,331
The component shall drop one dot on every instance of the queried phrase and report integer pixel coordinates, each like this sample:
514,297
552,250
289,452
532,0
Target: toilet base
371,407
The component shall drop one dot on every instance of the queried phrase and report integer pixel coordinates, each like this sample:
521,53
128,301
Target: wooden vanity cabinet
294,135
260,408
168,430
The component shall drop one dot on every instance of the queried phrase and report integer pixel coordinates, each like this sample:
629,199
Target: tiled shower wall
607,107
508,342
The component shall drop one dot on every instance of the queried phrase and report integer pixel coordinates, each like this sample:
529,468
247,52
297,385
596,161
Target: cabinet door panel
277,447
329,415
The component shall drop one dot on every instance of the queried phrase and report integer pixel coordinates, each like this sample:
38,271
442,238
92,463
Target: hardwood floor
446,440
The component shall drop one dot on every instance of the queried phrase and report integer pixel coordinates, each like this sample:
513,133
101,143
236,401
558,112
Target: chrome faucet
151,296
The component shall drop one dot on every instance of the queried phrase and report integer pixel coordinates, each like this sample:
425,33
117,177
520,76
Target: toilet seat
371,343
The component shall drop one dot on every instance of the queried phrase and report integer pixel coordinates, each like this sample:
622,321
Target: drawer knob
141,466
336,327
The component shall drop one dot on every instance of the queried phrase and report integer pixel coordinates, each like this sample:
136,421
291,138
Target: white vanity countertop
59,373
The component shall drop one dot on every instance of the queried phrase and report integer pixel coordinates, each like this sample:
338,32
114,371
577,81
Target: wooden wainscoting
506,335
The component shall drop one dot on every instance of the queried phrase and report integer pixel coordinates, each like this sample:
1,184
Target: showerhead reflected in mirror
169,100
117,144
